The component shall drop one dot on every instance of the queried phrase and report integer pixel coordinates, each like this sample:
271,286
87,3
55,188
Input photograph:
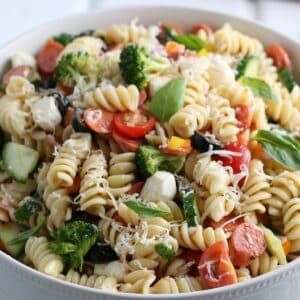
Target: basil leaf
164,251
259,88
190,41
281,147
64,38
23,236
145,210
30,207
168,99
286,78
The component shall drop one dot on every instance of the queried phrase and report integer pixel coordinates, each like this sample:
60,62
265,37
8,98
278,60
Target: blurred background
19,16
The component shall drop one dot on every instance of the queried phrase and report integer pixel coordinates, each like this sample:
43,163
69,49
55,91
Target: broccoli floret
64,38
74,65
149,160
137,64
73,241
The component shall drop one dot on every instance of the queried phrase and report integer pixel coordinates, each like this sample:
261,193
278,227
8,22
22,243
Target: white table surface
19,16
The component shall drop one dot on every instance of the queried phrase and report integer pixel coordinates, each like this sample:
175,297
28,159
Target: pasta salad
150,160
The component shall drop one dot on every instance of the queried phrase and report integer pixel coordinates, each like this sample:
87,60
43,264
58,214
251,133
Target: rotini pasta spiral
113,99
189,119
93,281
255,189
19,87
38,252
230,41
195,91
263,264
121,173
169,285
211,175
243,274
197,238
94,189
65,165
224,123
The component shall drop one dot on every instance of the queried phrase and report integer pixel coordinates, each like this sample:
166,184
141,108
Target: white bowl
18,281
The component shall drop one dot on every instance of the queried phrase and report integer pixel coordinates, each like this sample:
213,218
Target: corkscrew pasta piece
195,91
19,87
38,252
65,165
143,264
263,264
94,189
189,119
93,281
197,238
110,63
160,135
243,274
295,96
123,33
138,281
121,173
221,204
13,120
58,202
178,267
230,41
291,221
112,98
211,175
169,285
224,123
255,189
41,177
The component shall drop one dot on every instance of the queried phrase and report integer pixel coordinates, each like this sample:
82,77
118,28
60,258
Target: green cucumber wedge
19,161
248,67
8,232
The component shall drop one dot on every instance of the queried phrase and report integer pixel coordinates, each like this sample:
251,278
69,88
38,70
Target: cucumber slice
9,231
274,245
248,67
190,208
286,78
19,161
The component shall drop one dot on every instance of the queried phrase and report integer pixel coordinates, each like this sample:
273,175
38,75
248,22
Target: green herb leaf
164,251
247,66
30,207
286,78
281,147
168,100
23,236
259,88
64,38
145,210
190,41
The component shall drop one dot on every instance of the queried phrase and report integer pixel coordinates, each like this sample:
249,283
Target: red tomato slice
244,115
280,56
67,90
98,120
216,268
136,188
247,242
173,26
143,97
134,124
23,71
204,27
237,162
46,58
128,143
228,227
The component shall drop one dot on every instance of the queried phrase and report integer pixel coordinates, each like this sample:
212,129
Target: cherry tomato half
23,71
208,30
46,58
134,124
247,242
128,143
244,115
216,268
98,120
280,56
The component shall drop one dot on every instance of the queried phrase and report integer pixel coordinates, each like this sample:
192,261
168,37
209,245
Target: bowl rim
16,264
